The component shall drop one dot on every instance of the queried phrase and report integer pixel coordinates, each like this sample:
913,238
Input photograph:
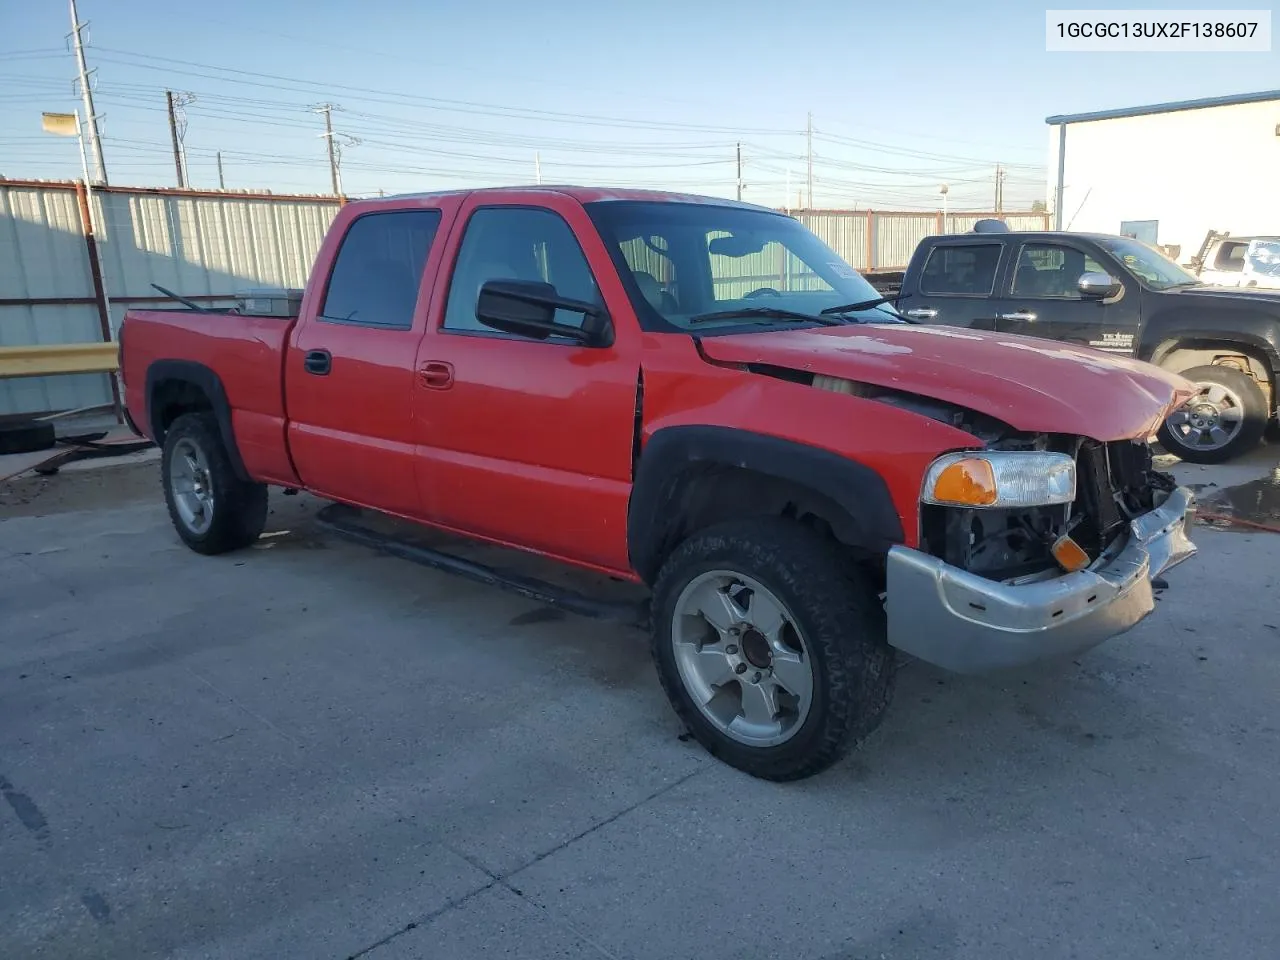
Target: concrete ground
308,750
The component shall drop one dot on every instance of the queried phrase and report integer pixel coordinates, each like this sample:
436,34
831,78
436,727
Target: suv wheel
212,509
1225,419
771,650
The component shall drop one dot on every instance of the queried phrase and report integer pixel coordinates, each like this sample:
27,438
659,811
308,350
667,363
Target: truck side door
349,372
523,441
955,282
1043,298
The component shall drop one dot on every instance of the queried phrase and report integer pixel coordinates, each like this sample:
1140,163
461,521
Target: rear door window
961,270
378,270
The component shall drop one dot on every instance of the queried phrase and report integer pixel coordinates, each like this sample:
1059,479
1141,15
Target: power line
437,103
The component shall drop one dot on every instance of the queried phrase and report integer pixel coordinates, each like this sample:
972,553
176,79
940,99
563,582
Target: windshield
1151,266
706,267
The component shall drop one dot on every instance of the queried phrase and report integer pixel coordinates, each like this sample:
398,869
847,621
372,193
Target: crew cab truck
1119,295
699,396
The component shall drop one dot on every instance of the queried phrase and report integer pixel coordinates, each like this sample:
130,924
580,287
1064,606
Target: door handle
922,313
319,362
1018,315
436,375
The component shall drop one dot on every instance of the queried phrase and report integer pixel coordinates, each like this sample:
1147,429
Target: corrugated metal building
1170,172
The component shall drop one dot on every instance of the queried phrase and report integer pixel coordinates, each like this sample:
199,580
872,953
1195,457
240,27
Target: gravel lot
310,750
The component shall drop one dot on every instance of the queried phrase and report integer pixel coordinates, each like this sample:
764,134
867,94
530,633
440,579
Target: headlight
1011,478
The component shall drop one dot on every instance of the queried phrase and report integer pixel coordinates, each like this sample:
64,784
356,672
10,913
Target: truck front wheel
213,510
770,647
1225,419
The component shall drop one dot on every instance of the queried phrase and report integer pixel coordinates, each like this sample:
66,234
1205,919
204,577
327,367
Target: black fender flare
1160,340
853,487
209,383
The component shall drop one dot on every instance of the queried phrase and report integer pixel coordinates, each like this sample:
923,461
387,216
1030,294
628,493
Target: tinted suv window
513,243
1050,270
962,270
378,269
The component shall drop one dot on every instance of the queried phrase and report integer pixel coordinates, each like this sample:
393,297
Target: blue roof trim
1164,107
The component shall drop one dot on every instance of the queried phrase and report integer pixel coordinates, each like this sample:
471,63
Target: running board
344,521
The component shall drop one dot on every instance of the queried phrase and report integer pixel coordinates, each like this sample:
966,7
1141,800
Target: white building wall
1192,170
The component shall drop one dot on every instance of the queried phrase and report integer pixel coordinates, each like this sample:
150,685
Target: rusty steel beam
99,288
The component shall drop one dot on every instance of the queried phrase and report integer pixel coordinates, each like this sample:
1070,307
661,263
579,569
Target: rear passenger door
1044,299
349,373
957,283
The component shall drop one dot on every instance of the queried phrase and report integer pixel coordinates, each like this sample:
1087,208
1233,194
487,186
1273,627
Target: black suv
1116,294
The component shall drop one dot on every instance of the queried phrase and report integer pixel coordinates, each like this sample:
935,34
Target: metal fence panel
206,245
898,234
43,256
845,232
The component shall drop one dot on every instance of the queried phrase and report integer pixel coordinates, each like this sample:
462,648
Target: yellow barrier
48,359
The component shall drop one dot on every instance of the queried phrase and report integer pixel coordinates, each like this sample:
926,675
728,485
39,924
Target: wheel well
1180,356
171,399
704,494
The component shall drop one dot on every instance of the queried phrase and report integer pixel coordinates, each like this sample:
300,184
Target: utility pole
222,184
809,157
86,94
173,135
327,110
176,103
739,171
999,188
537,167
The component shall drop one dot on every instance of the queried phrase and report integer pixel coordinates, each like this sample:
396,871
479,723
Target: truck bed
248,354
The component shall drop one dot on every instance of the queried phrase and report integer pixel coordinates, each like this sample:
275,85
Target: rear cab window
378,270
961,270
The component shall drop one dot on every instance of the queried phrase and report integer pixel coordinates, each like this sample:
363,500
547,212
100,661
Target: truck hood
1034,385
1232,296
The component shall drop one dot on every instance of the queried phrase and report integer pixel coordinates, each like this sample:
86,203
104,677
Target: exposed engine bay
1115,482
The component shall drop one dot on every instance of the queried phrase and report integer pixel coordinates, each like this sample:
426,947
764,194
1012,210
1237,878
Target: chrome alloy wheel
742,658
191,486
1209,420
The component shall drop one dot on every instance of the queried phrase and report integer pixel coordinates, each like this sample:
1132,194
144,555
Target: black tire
239,507
1255,417
844,627
26,436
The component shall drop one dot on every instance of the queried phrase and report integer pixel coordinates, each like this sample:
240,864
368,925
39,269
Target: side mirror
527,308
1098,286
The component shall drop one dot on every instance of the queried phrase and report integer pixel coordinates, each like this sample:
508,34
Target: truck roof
579,193
1029,235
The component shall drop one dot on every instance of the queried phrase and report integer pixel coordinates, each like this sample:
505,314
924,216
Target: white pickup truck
1228,261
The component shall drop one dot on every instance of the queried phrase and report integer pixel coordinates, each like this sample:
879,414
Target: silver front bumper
969,624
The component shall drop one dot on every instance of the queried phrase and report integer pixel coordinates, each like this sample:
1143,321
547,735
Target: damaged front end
1115,484
993,587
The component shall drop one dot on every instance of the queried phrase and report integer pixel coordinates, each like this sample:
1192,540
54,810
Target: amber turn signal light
970,482
1069,554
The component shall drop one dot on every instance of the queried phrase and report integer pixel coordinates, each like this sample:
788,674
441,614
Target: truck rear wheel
1225,419
770,648
213,510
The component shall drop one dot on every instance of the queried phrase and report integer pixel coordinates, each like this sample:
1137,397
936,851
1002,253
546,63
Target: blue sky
904,95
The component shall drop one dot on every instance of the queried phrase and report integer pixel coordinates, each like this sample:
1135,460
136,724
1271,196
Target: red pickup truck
696,395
